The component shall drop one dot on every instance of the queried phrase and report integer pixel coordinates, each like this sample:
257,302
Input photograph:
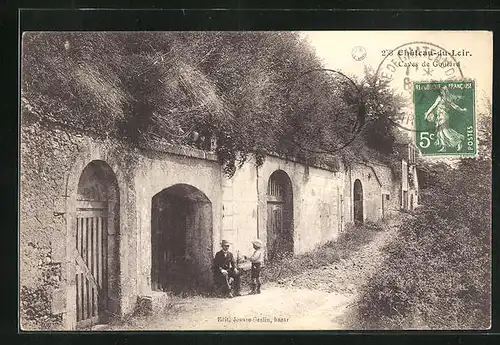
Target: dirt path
318,299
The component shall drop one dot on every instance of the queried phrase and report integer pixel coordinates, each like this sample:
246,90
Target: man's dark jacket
227,263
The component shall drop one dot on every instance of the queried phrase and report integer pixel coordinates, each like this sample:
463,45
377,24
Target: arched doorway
358,202
181,240
279,215
96,242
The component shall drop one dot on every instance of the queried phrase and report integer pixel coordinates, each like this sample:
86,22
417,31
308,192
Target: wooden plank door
274,228
358,202
91,262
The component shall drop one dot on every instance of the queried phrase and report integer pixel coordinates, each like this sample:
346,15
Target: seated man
225,268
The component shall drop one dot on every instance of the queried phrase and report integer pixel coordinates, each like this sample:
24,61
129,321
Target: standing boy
257,260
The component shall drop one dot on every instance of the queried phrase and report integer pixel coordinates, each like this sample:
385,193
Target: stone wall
390,186
377,181
240,209
371,188
414,186
156,172
409,184
53,159
316,204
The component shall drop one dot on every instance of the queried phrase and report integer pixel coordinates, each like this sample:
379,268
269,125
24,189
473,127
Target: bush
349,241
355,236
250,92
437,273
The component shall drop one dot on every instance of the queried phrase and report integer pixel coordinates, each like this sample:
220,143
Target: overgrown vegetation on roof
250,93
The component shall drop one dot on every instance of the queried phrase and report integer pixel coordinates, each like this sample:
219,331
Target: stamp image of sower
445,118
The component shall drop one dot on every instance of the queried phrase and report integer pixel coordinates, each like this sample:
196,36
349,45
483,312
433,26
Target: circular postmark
329,102
404,65
358,53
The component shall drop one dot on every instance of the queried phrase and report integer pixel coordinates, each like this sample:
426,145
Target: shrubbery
438,273
248,92
350,240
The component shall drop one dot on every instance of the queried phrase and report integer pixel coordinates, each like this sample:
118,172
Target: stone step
98,327
151,303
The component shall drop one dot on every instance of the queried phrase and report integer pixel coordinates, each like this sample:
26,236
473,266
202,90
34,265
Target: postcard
267,180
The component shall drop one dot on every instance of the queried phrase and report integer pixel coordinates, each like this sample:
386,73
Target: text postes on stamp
445,118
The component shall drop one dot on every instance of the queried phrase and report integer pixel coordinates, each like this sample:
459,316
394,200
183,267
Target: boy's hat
224,243
257,243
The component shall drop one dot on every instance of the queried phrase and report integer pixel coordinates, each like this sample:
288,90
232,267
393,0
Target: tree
255,93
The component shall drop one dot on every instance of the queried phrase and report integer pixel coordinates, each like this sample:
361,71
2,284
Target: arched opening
358,202
96,242
181,240
279,215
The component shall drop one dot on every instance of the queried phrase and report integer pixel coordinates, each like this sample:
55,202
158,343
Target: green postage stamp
445,119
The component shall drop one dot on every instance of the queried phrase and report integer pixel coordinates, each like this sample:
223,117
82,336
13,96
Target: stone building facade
103,223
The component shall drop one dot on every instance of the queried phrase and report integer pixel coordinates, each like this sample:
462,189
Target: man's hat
225,243
257,243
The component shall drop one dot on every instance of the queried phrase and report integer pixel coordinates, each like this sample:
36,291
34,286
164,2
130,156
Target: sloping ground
347,275
317,299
